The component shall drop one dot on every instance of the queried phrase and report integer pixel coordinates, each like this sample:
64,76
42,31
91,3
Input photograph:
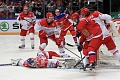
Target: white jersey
27,21
99,17
49,29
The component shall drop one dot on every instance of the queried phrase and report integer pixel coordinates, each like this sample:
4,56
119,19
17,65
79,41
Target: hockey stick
71,51
10,64
70,45
79,62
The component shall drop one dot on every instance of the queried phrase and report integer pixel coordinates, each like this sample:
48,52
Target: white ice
9,50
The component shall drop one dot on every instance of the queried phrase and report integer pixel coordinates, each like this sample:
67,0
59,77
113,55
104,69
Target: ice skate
92,67
15,62
86,66
22,46
32,46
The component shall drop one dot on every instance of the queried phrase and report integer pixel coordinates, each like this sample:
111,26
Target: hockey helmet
75,15
57,10
31,62
84,11
49,15
25,7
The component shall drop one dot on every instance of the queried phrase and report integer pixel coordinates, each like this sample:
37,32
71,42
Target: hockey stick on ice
71,51
79,62
10,64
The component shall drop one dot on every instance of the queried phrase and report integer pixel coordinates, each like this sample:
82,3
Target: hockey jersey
27,20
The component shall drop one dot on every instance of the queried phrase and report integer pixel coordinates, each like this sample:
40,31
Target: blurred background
10,9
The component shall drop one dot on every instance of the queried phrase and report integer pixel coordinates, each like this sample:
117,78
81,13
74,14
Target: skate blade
87,70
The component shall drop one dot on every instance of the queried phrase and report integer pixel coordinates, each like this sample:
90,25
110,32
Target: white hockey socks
31,38
42,47
116,53
85,61
22,40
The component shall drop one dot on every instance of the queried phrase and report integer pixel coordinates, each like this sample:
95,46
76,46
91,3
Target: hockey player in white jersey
27,19
47,28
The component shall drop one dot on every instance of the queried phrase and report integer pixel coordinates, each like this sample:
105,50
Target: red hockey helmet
49,15
75,15
84,11
25,7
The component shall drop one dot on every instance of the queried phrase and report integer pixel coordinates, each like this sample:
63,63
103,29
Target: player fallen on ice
27,19
43,60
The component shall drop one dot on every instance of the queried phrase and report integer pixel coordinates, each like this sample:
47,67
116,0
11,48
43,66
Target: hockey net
106,59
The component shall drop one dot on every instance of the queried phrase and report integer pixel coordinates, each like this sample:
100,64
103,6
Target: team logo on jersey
4,26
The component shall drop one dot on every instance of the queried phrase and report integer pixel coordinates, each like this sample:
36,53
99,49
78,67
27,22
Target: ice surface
9,50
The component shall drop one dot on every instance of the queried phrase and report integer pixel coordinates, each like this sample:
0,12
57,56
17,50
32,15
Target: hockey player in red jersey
47,28
65,26
92,32
27,19
107,40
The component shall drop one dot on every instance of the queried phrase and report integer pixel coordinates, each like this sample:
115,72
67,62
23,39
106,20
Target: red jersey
88,27
23,16
62,21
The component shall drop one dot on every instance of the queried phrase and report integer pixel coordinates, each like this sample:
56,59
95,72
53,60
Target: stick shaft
6,64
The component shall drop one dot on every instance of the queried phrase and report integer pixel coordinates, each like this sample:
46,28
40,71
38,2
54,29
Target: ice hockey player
65,26
92,32
27,19
43,60
107,40
47,28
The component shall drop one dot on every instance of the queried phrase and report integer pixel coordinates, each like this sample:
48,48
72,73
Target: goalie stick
10,64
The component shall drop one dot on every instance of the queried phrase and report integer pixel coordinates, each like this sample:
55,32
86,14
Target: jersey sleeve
105,17
37,26
20,17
